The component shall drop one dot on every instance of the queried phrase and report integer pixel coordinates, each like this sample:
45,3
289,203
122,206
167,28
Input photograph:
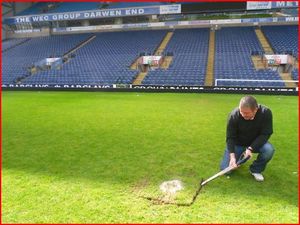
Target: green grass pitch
73,157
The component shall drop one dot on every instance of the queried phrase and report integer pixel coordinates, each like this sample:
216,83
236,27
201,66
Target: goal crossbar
245,80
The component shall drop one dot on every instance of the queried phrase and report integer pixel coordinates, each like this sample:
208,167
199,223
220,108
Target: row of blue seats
192,45
109,55
25,55
233,58
106,67
282,38
295,74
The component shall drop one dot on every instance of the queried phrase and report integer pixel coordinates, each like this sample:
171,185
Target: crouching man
249,128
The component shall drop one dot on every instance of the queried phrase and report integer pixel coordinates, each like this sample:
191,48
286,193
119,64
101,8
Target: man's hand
232,161
248,152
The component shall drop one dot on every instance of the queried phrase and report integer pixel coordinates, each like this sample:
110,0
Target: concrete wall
8,12
20,6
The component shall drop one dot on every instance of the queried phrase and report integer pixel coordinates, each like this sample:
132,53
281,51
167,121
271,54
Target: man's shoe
258,177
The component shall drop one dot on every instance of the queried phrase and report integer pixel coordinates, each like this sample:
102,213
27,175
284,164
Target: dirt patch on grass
140,185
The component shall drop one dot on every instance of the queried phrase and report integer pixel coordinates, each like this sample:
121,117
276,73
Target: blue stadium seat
233,58
190,49
106,59
282,38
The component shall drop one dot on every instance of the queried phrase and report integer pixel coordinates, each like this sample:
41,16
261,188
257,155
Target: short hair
248,102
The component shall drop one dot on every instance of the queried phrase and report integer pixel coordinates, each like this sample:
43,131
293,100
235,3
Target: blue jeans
265,154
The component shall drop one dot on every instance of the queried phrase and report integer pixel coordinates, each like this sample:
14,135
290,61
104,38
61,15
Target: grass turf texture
71,157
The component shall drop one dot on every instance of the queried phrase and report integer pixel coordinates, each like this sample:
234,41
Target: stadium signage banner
57,86
175,23
27,31
279,59
285,4
155,88
225,21
150,60
93,14
204,89
271,5
170,9
258,5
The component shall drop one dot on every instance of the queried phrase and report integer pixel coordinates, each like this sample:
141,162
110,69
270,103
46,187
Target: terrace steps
164,43
268,50
258,63
80,45
167,62
209,79
264,42
287,76
140,77
159,50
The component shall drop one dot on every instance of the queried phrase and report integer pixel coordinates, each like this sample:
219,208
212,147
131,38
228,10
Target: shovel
203,182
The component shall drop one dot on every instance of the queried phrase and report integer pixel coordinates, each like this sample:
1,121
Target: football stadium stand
284,39
189,48
11,43
233,58
94,43
107,59
15,62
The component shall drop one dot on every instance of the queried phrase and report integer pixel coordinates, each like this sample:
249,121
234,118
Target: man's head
248,107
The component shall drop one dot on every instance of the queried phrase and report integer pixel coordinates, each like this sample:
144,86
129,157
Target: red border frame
130,1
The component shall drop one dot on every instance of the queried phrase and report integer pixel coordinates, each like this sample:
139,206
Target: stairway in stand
210,62
164,43
159,50
268,50
140,77
80,45
264,42
288,77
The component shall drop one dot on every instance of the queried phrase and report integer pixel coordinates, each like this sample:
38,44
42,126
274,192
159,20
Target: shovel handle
242,159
